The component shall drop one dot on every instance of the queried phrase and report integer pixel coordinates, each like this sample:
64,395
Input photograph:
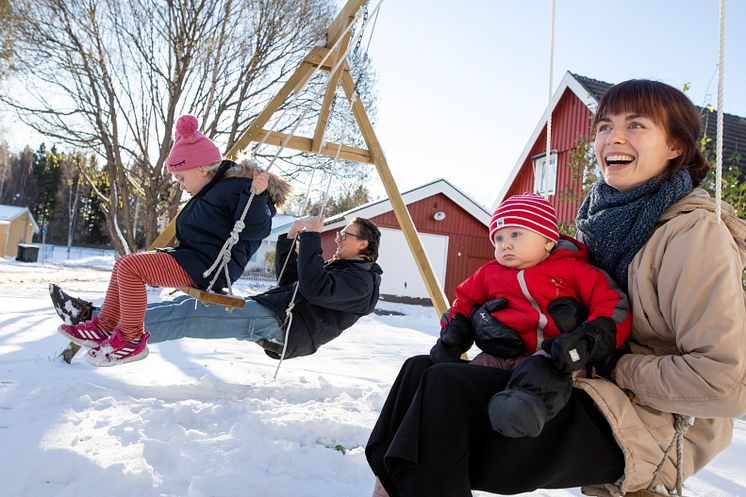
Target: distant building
573,105
17,225
280,224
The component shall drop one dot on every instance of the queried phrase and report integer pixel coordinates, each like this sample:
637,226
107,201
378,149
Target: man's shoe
116,350
86,334
71,309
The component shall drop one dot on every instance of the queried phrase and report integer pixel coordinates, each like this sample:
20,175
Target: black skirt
433,438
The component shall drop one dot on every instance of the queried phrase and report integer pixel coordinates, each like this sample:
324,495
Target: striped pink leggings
126,299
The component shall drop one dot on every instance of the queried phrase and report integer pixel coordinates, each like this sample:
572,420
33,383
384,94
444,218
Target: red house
451,225
573,105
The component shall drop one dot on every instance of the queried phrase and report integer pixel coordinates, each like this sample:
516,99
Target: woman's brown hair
669,108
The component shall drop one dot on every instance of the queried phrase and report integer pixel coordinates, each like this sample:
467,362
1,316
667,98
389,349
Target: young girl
220,190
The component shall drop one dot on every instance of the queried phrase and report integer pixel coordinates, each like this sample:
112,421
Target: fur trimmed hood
279,189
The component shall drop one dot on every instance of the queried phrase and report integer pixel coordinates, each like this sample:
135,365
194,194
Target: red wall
570,122
466,236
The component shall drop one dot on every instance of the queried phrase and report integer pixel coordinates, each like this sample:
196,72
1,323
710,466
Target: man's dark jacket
206,221
331,297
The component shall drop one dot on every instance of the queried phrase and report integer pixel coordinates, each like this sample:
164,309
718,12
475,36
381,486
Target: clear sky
462,85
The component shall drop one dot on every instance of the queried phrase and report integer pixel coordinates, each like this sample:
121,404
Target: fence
60,252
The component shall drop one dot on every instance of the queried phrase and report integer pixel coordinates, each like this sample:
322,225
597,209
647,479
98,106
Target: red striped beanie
529,211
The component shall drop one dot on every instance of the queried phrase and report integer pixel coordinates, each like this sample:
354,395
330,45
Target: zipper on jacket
542,318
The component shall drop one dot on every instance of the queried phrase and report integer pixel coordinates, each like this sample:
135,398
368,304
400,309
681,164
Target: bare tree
111,78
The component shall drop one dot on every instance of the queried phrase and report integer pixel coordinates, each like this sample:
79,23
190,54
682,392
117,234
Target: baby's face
519,248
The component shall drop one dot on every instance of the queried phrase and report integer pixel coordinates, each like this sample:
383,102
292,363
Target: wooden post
437,296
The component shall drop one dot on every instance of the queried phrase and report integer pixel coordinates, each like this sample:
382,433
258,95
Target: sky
204,418
462,85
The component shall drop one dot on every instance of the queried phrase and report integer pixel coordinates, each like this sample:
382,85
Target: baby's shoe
86,334
517,413
116,350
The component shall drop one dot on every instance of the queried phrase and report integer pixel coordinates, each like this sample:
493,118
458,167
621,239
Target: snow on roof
381,206
11,212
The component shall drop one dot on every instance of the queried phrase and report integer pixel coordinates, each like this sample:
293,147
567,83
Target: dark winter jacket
565,273
206,221
331,297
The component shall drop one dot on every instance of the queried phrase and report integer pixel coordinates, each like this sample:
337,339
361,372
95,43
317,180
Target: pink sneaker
116,350
85,334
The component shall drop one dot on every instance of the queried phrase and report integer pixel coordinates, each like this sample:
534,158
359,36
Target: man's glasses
342,235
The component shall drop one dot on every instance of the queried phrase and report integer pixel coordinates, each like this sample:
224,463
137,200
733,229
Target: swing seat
231,301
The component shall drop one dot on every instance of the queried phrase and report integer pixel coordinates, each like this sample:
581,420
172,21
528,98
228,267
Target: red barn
453,230
573,105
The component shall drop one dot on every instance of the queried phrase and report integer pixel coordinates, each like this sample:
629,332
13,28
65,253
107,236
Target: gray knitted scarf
616,225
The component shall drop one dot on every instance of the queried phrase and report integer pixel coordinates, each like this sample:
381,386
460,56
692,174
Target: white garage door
400,275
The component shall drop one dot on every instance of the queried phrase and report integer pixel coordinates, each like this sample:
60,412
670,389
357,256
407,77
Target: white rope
719,143
548,156
313,74
289,311
288,324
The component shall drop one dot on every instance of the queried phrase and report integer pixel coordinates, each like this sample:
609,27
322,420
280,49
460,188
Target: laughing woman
648,225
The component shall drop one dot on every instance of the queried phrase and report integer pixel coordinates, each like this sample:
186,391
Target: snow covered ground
204,418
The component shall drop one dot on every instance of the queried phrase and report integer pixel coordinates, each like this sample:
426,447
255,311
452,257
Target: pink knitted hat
529,211
191,148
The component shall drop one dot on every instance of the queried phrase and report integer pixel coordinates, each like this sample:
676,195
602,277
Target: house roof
734,127
12,212
378,207
590,91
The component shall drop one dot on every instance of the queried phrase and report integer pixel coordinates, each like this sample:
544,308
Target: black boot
535,394
71,310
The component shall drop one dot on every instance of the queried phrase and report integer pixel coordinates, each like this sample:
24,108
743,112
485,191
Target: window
545,175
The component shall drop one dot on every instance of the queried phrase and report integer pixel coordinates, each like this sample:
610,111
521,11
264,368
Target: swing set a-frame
338,38
331,58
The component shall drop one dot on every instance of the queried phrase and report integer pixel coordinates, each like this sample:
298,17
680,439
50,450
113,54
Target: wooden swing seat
231,301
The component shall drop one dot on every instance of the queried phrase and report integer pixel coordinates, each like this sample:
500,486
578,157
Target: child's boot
537,391
71,310
116,350
517,413
86,334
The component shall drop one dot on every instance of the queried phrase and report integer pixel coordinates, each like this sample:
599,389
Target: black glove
456,338
491,335
567,313
591,342
605,366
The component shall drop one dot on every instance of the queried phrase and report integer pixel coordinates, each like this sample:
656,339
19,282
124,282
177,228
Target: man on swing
331,296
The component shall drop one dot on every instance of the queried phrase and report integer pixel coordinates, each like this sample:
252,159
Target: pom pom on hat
191,148
186,125
529,211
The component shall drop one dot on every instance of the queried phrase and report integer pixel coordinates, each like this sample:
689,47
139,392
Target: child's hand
260,182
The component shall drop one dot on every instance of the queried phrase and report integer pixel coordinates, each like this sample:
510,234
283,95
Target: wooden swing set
330,58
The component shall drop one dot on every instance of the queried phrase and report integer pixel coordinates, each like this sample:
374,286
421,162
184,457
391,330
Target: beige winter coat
688,345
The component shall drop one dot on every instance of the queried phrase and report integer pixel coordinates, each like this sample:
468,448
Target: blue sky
463,85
